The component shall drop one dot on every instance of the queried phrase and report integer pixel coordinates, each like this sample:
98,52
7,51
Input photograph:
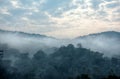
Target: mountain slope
106,42
23,34
26,42
110,34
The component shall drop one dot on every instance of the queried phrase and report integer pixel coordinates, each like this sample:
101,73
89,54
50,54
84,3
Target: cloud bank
60,18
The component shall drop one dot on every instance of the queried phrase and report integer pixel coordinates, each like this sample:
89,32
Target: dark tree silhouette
3,73
112,77
64,63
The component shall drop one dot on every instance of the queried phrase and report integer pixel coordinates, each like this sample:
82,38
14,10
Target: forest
67,62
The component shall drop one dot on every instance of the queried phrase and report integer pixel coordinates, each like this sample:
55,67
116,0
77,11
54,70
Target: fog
107,45
27,44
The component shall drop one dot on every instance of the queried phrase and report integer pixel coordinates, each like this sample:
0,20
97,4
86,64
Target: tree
79,45
112,77
3,73
39,55
1,54
85,76
23,64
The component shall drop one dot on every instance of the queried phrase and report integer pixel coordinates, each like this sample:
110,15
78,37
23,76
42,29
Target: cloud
83,27
54,17
15,3
75,23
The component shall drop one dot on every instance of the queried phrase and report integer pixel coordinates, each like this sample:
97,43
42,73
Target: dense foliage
67,62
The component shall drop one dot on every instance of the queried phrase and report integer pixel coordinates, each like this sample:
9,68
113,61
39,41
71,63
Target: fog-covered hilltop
111,34
34,56
26,42
106,42
23,34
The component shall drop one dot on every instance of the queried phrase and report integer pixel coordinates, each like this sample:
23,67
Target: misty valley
59,39
35,56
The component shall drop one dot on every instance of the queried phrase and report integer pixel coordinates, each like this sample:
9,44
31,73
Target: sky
60,18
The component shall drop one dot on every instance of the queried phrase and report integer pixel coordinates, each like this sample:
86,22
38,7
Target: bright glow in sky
60,18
